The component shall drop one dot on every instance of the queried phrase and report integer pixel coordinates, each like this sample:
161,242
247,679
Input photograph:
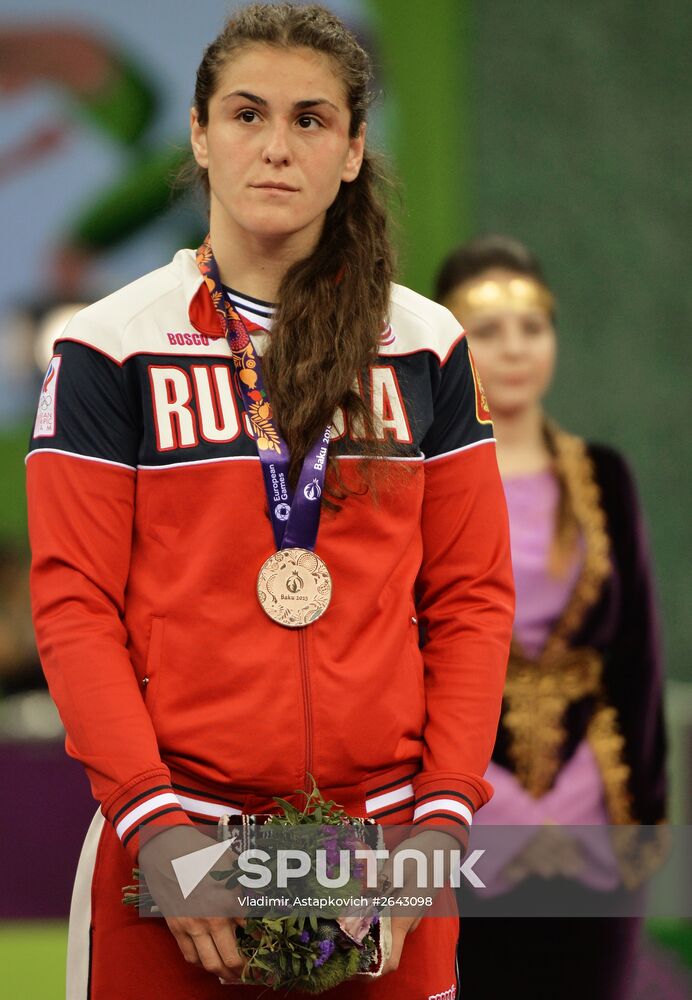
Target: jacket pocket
154,663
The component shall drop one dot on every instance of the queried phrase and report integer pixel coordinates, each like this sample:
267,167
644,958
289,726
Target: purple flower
331,841
304,937
325,950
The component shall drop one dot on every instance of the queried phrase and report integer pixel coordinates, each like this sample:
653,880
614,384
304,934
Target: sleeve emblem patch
482,409
45,415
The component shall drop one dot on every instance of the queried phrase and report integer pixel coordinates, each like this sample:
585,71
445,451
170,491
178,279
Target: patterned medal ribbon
294,514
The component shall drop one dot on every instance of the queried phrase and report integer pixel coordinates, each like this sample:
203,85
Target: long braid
332,305
328,323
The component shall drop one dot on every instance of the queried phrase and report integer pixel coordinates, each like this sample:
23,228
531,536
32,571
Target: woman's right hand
204,927
210,942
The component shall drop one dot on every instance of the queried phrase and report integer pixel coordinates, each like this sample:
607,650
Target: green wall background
426,69
568,126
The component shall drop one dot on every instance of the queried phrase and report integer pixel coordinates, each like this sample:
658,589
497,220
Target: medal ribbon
294,514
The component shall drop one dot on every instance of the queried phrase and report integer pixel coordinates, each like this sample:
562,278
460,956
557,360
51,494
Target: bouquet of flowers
301,949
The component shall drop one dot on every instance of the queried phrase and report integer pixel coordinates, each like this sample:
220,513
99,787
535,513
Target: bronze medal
294,587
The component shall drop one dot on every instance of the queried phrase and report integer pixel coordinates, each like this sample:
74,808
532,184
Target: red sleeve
80,523
465,600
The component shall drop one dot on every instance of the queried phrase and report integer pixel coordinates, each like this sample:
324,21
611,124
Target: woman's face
514,348
276,145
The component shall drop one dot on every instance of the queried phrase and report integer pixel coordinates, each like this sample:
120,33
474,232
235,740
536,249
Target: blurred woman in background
581,739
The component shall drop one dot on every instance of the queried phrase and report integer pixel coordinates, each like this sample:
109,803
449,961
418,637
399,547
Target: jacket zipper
307,705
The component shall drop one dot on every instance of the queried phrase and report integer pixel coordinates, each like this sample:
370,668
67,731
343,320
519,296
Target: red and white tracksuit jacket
148,526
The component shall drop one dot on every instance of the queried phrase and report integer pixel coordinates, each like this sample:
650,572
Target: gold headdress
516,293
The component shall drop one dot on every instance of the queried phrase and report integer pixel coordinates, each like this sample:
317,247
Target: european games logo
282,510
312,491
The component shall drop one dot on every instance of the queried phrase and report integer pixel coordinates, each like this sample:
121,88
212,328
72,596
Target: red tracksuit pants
114,954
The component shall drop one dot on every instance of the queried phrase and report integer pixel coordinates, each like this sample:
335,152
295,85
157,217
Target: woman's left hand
401,926
427,841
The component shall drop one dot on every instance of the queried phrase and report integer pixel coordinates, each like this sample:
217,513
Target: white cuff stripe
206,808
198,806
389,798
443,805
165,799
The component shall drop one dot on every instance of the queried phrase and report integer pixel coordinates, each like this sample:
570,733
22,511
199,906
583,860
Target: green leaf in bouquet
313,923
291,813
258,963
